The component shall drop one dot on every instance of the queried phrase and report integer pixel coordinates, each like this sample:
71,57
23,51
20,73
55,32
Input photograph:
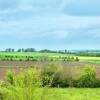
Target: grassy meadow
53,94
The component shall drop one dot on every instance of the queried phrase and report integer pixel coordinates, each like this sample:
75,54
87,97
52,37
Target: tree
19,50
77,59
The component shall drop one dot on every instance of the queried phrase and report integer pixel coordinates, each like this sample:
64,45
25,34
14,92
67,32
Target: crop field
28,56
37,56
49,50
23,84
16,60
71,64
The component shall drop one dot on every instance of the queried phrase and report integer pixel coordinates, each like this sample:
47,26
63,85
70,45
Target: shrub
21,86
34,59
68,58
29,77
27,59
77,59
88,78
72,58
53,76
10,77
20,59
59,80
47,75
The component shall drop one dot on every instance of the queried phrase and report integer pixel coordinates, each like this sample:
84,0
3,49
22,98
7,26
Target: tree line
95,53
34,50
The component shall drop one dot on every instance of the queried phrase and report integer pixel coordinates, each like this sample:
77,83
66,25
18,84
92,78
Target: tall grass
21,86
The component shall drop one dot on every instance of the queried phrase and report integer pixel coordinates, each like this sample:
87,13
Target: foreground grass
71,94
50,94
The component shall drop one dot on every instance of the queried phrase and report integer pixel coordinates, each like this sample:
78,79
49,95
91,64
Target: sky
50,24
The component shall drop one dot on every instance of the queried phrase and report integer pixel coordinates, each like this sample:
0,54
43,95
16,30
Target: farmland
65,71
16,60
37,56
49,50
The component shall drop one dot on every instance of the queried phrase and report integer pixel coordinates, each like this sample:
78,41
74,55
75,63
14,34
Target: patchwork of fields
17,62
37,56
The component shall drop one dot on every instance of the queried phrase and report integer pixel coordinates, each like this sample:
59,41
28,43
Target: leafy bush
10,77
47,75
20,86
88,78
77,59
29,77
53,76
60,81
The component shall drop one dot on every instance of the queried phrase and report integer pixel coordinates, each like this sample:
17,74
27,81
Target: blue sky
51,24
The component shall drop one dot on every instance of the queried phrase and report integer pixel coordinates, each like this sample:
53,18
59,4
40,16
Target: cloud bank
53,24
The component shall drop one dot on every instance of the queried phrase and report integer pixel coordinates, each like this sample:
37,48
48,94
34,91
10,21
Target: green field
34,54
52,94
88,58
31,54
71,94
38,56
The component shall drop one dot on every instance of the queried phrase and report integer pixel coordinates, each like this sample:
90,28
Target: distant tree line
87,54
20,50
59,51
26,50
94,53
34,50
9,50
